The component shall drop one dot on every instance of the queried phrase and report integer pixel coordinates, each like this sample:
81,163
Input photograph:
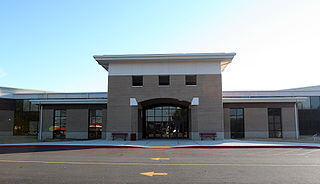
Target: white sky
277,47
48,45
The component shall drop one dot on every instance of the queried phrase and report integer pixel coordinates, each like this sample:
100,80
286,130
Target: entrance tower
165,95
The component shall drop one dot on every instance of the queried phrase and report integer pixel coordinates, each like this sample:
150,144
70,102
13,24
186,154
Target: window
315,102
191,80
95,123
305,104
137,81
237,123
274,123
166,122
59,125
164,80
26,118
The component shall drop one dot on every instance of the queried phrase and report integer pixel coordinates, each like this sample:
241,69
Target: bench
120,135
208,135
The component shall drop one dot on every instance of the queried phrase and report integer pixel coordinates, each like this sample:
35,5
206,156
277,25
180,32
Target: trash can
133,137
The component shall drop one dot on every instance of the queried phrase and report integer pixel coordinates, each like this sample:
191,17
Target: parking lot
54,165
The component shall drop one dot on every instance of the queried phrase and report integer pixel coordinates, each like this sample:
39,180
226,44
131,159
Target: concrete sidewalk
227,143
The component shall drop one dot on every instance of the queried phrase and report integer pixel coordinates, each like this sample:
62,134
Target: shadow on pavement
34,149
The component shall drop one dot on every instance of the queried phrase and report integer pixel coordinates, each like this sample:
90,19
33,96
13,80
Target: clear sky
48,45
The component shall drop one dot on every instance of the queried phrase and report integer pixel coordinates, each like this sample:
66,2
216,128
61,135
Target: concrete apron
165,144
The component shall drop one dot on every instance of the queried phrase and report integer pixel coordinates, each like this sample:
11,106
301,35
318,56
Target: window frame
273,116
314,102
55,122
164,84
140,83
94,127
236,120
193,84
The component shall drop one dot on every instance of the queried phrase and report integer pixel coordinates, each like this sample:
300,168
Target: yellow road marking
160,158
160,146
153,173
161,164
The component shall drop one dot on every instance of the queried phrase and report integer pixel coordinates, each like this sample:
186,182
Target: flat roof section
224,58
265,100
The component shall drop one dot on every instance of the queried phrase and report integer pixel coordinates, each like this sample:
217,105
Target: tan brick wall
288,122
47,123
256,122
209,115
77,120
77,123
226,113
256,119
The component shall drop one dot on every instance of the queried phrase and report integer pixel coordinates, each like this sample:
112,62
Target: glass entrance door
166,122
237,123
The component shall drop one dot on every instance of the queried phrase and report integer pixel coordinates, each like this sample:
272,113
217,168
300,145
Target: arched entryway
165,119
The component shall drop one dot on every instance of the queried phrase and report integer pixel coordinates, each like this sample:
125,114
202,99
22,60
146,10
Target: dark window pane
60,123
150,118
158,118
98,112
137,81
165,112
95,123
157,112
150,112
164,80
63,113
239,112
233,112
92,120
92,113
236,123
274,123
169,121
191,80
314,102
306,104
98,119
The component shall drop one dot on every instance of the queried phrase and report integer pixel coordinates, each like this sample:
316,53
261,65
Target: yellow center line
161,164
160,158
160,146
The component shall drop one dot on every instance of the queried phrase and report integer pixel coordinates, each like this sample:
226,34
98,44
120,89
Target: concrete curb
248,147
159,147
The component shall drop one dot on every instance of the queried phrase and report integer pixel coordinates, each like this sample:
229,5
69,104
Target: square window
191,80
164,80
137,81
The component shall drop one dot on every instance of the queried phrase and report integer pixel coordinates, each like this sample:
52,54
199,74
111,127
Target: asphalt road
39,165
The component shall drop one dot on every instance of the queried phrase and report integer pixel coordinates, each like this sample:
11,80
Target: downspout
40,132
296,120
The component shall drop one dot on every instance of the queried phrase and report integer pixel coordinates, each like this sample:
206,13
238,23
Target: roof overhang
223,58
265,100
70,101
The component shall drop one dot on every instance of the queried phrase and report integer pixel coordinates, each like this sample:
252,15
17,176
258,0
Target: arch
165,118
164,101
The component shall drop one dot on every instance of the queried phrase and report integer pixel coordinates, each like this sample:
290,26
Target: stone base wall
6,133
77,135
256,134
47,135
289,134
